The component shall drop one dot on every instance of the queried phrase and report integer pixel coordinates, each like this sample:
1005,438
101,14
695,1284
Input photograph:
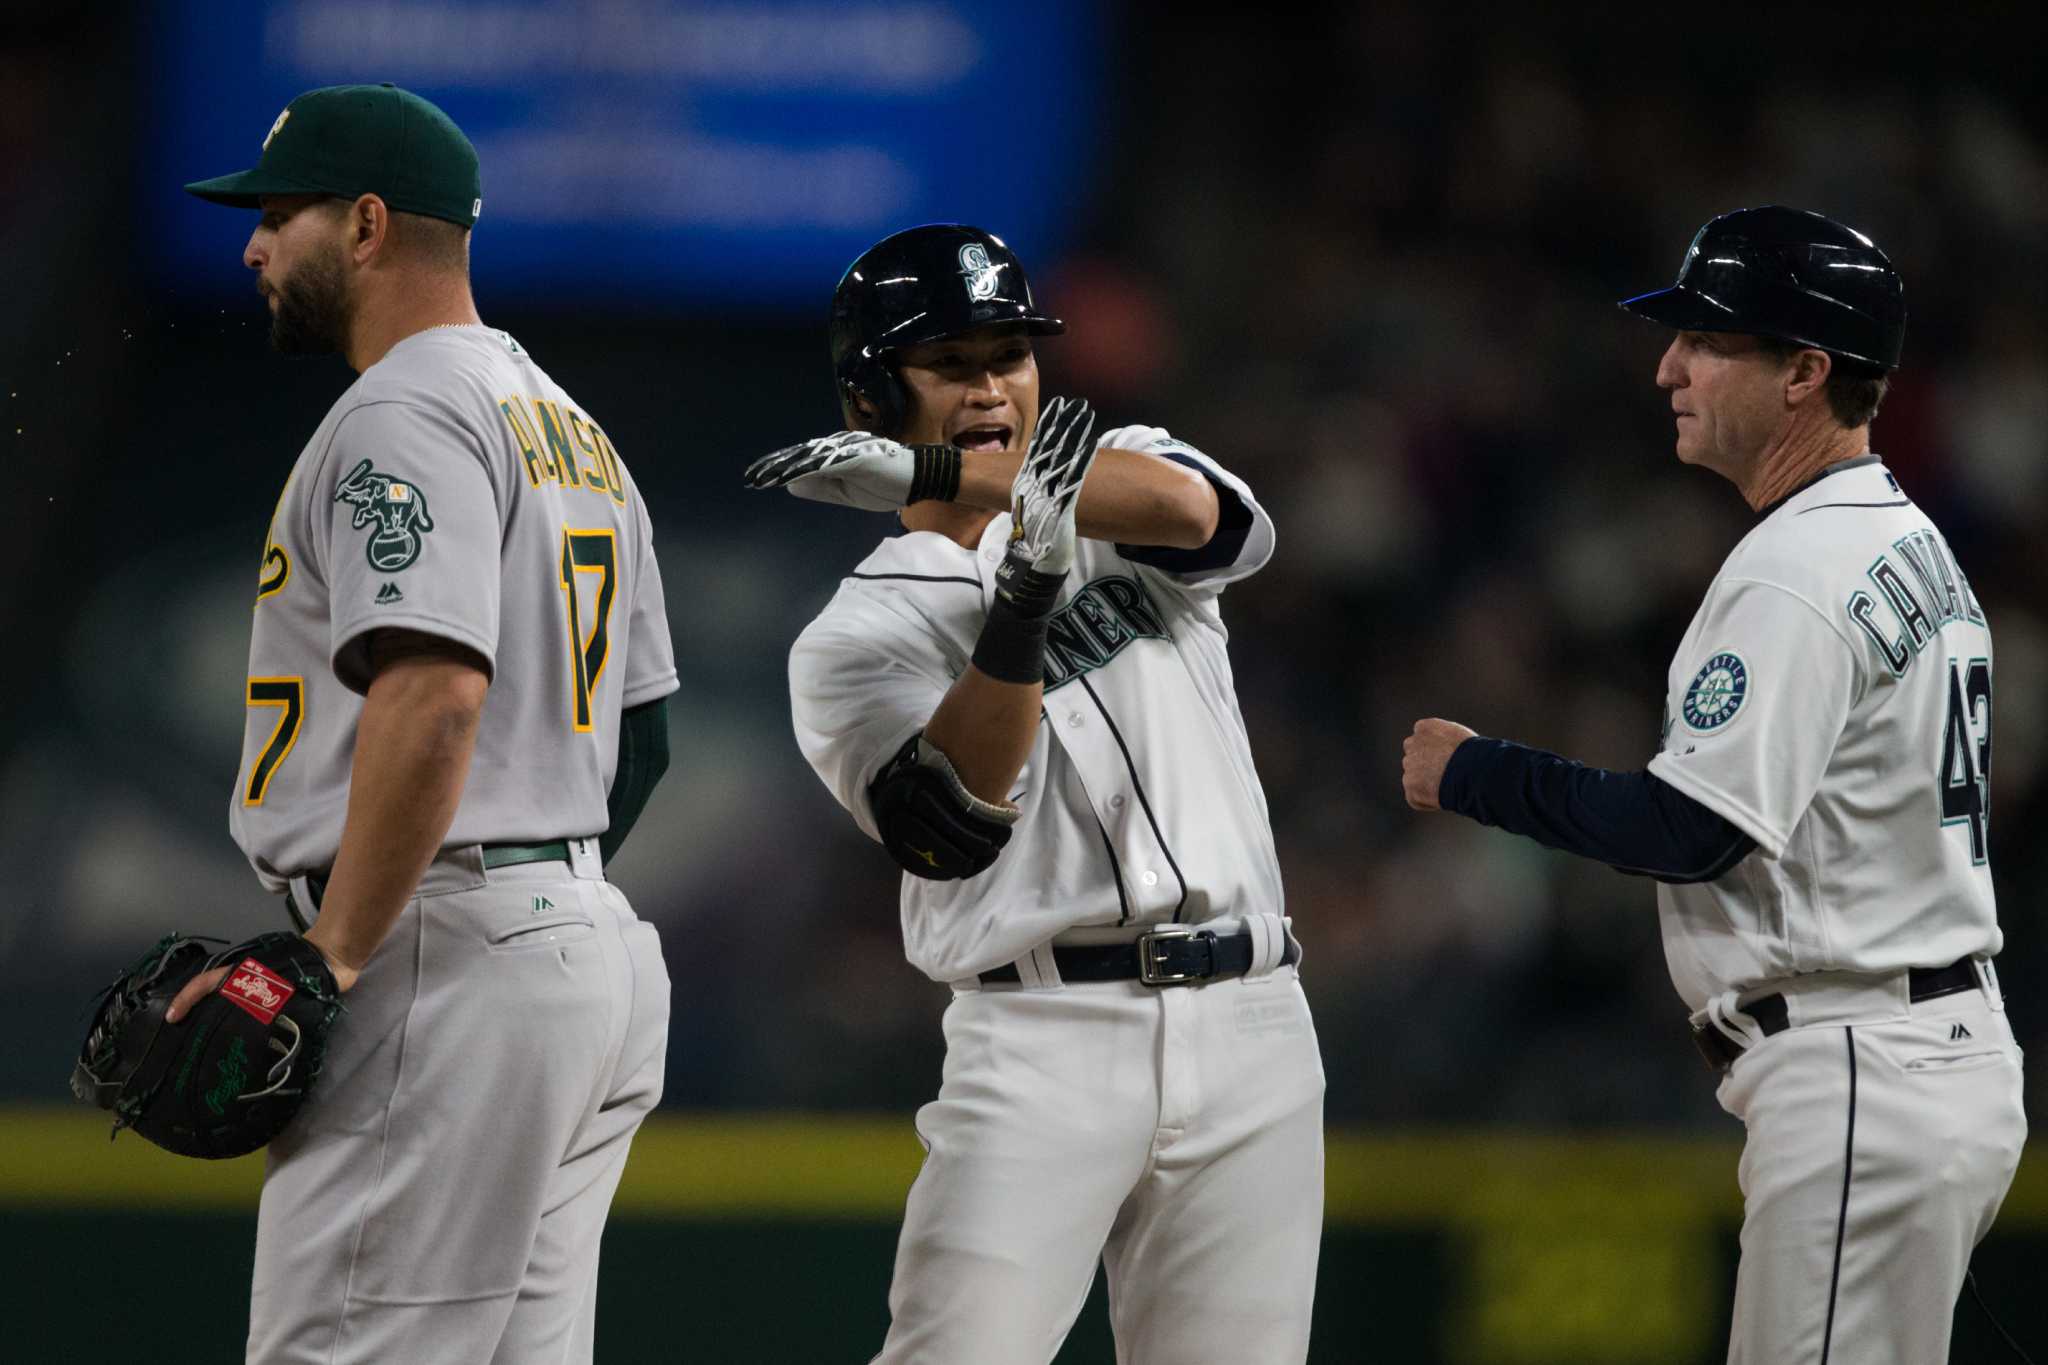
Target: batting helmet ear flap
872,383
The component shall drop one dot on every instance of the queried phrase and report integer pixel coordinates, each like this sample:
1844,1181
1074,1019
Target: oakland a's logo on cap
978,272
397,509
1716,693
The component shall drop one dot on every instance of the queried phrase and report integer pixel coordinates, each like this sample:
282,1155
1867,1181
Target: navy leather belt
1171,955
1922,983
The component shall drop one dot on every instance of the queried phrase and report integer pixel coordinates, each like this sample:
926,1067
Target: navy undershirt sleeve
1628,820
1233,526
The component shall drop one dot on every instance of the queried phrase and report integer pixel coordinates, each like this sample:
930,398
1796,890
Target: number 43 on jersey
1966,753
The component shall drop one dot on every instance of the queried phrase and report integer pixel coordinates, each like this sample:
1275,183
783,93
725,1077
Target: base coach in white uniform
1040,726
457,665
1817,814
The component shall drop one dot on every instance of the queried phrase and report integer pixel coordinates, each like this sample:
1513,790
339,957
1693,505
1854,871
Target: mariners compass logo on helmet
1716,693
397,509
981,275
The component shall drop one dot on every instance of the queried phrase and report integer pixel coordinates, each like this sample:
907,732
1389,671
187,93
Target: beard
313,309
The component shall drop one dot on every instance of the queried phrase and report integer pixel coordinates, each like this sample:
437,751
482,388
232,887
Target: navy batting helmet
1787,273
921,284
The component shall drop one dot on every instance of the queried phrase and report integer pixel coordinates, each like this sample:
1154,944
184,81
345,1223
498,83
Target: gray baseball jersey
454,490
1832,699
1140,801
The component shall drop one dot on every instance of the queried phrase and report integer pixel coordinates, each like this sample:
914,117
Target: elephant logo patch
398,511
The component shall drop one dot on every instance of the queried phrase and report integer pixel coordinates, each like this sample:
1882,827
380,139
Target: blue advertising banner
646,153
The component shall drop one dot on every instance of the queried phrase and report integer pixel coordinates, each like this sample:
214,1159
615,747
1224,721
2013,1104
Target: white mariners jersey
1832,699
453,490
1139,801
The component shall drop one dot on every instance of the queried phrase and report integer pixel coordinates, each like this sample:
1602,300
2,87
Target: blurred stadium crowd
1370,263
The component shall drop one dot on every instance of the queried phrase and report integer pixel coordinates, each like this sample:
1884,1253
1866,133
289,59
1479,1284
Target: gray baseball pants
442,1194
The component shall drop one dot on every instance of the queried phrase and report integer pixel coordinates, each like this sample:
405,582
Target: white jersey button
1074,718
992,554
1150,879
1116,802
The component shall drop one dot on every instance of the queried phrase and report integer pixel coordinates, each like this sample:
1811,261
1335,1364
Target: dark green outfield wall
769,1242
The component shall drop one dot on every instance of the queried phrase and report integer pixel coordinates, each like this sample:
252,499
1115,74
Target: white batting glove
860,469
1048,486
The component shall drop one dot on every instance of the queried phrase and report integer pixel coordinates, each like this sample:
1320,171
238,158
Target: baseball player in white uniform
456,672
1038,724
1816,816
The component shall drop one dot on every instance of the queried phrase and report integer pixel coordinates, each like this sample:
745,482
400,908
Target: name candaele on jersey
1917,603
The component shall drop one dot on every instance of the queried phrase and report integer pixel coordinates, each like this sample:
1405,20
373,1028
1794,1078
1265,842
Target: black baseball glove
227,1077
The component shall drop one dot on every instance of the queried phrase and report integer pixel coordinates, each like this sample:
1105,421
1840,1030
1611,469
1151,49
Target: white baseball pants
1175,1133
1882,1138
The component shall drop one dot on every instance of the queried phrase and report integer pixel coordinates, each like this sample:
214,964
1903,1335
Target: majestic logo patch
388,594
274,127
397,509
1716,693
975,269
1095,625
257,989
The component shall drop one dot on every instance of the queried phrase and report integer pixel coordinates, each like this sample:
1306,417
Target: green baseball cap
349,140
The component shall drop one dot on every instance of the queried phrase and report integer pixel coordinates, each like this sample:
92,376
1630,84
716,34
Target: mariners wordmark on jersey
1093,627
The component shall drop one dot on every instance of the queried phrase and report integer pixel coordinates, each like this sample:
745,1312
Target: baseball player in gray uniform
456,672
1816,816
1025,698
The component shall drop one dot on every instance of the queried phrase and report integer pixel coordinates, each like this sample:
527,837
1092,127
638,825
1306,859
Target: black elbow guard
930,823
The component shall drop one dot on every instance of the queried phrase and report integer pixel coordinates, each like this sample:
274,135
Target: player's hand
1424,756
206,983
1048,485
860,469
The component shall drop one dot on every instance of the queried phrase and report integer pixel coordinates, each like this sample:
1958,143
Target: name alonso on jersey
559,444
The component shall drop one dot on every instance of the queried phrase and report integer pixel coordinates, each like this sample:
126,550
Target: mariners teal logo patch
396,508
1716,693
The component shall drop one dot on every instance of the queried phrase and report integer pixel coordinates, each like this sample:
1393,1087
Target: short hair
1855,389
434,241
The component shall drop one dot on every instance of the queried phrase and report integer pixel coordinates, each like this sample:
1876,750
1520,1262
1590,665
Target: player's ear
369,227
859,412
1808,376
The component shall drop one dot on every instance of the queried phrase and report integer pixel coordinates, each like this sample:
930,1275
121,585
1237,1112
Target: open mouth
990,437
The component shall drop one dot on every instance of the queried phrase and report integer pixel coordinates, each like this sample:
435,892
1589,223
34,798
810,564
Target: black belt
1171,955
495,855
1922,983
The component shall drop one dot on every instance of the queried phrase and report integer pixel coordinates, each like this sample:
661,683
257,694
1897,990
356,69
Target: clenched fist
1424,756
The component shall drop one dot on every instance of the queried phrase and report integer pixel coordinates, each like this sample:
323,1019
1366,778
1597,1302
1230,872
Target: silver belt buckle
1150,959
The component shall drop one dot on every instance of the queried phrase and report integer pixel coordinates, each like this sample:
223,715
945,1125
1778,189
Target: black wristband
937,474
1012,644
1028,592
